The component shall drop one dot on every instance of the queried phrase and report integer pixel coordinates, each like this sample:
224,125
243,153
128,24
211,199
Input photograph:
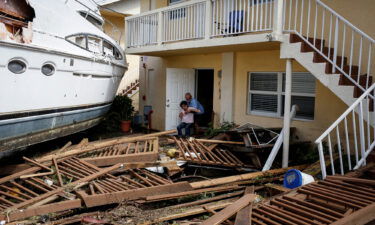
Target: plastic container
294,178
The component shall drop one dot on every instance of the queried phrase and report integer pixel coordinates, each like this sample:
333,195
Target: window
108,49
267,94
94,44
79,40
171,2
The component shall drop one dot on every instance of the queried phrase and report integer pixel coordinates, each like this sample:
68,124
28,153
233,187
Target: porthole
48,69
17,66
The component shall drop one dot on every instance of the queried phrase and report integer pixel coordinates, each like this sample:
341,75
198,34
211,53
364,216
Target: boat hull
74,98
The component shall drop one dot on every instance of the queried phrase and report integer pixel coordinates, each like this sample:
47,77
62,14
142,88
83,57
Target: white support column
278,19
208,20
160,28
227,87
288,98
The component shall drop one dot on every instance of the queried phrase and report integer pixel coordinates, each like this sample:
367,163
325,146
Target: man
194,103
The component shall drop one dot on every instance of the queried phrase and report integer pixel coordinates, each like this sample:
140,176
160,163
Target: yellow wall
158,87
328,107
359,12
147,5
133,70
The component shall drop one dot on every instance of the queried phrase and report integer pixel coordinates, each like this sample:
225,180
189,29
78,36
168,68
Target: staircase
340,56
131,89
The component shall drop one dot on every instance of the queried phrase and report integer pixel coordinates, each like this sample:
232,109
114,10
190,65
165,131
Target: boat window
91,19
48,69
94,44
79,40
108,49
17,66
118,54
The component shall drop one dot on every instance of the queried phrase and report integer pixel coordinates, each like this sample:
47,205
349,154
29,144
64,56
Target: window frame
279,93
86,35
174,3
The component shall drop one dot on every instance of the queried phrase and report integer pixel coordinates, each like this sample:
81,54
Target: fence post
160,28
208,20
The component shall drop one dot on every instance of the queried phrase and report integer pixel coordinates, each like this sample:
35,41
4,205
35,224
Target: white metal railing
278,142
142,31
200,19
231,17
184,22
344,46
352,133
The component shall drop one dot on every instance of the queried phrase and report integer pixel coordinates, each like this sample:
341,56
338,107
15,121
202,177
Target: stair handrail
130,88
345,21
358,105
336,24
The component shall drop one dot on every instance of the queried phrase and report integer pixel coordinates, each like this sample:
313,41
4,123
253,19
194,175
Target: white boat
59,71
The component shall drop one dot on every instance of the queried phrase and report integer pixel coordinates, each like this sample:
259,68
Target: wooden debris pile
118,181
194,151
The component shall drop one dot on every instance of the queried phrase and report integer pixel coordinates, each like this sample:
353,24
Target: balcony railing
200,19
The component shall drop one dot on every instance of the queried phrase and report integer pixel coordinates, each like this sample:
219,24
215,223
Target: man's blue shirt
195,104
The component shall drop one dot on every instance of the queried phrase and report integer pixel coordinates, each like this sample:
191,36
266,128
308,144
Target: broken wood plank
36,175
19,174
194,192
214,213
230,210
199,202
129,158
362,216
191,211
246,176
120,196
243,217
41,210
352,180
212,141
105,143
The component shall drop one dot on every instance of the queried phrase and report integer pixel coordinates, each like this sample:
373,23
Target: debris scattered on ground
161,179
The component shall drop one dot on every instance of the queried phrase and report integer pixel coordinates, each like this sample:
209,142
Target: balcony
199,25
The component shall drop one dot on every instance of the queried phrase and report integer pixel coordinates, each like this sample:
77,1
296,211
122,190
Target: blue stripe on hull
24,126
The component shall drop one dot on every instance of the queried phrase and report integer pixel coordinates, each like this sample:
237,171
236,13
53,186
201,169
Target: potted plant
122,105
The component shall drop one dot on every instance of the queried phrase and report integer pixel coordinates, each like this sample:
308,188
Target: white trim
199,43
279,93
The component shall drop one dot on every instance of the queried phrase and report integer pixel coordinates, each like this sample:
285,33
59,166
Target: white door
179,81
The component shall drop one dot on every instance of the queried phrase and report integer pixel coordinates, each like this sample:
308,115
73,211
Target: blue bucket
293,179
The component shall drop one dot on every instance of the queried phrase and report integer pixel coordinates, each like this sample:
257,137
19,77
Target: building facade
232,55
